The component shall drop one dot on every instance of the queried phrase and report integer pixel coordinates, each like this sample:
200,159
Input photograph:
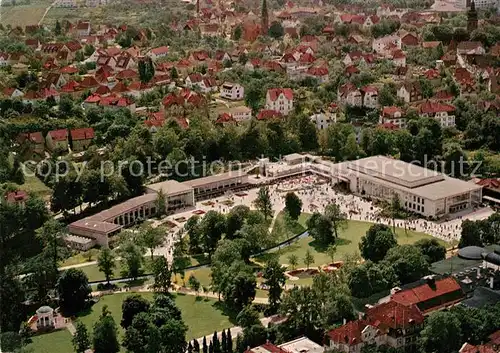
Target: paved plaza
316,193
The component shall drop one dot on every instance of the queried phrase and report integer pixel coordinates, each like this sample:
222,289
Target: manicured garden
54,342
202,316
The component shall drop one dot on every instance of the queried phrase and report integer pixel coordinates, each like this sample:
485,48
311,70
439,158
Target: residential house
57,139
470,48
268,114
83,29
225,119
442,112
370,96
319,73
394,116
54,80
241,113
348,94
253,64
124,62
12,92
204,83
409,39
4,57
280,100
156,53
399,58
386,45
232,91
323,120
391,323
410,92
32,145
81,138
358,57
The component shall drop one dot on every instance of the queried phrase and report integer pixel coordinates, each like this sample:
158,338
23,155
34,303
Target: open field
54,342
24,14
202,316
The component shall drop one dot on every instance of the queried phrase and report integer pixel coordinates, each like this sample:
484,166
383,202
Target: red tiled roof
274,93
69,70
318,71
265,114
491,183
35,137
469,348
395,315
268,347
59,135
126,74
369,89
426,292
89,82
84,133
94,98
390,111
349,333
160,50
71,86
351,69
495,338
102,90
429,107
16,196
224,118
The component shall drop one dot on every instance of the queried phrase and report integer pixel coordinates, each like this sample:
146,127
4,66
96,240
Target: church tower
472,17
264,25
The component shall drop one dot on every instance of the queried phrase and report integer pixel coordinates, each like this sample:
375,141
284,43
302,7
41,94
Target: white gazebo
45,318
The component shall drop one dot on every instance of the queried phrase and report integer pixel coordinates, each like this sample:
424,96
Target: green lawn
347,244
92,271
54,342
202,316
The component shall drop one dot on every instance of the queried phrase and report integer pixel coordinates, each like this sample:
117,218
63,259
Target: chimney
491,282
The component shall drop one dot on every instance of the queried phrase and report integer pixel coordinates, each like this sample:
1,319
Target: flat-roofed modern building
179,195
420,190
215,185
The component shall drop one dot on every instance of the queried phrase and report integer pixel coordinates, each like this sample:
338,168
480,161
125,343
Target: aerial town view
249,176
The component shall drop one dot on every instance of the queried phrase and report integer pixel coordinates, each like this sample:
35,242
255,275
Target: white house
370,96
280,100
323,120
3,59
157,53
386,45
232,91
393,115
241,113
442,112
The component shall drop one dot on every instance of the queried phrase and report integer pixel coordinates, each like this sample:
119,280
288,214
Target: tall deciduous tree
151,238
162,274
274,274
106,263
442,333
81,340
161,203
263,202
432,249
336,217
308,258
131,306
105,337
320,228
293,205
377,241
408,263
73,290
132,255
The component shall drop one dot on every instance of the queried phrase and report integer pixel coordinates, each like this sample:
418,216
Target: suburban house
299,345
323,120
370,96
442,112
386,45
241,113
157,53
280,100
319,73
224,119
4,59
470,48
350,95
392,323
57,139
32,145
410,92
81,138
83,29
205,84
394,116
232,91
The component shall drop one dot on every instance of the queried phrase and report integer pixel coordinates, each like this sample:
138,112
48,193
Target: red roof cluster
429,107
59,135
265,114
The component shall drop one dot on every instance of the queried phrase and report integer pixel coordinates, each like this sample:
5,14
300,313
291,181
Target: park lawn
203,316
54,342
92,271
347,243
